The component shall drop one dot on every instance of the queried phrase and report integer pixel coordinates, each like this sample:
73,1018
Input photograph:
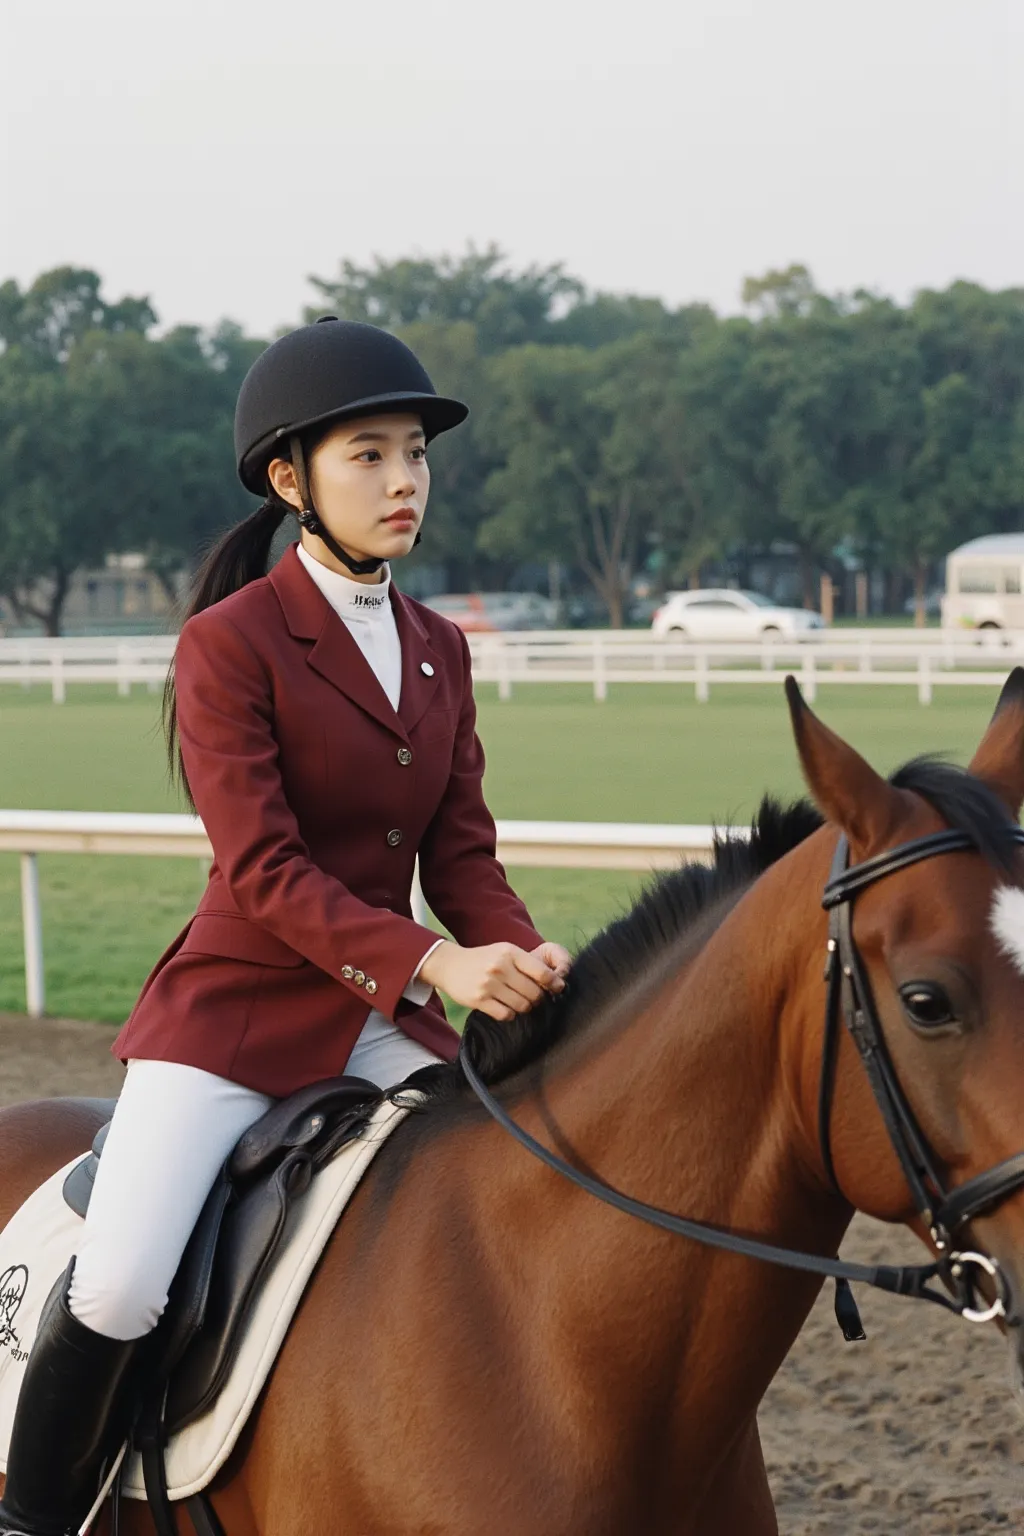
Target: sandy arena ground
912,1434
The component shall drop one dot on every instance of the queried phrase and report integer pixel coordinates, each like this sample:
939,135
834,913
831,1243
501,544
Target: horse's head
940,944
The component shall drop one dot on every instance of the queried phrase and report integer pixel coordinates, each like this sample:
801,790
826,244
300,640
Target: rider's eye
927,1005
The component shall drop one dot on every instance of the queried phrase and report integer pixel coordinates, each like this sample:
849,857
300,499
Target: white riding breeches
173,1129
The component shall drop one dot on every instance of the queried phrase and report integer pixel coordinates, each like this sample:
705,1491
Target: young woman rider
325,729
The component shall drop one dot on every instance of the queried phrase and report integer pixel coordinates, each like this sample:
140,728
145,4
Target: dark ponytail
236,559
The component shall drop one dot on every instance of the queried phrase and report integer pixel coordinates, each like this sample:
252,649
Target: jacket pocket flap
436,724
212,933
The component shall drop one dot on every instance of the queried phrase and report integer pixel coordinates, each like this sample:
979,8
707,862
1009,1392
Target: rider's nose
402,482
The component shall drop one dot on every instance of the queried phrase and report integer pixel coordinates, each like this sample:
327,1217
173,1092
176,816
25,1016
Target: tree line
609,433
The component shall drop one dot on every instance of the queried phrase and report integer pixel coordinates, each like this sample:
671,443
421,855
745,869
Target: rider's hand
499,979
556,956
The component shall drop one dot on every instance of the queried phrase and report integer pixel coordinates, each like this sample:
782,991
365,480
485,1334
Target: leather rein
849,997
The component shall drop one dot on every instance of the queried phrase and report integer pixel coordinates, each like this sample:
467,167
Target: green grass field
647,754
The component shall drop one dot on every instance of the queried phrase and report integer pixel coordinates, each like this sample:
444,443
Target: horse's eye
927,1005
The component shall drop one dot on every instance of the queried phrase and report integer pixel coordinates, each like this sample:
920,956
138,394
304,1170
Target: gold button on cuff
394,837
404,756
359,978
347,973
371,985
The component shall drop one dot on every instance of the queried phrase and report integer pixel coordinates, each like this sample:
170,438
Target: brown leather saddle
234,1243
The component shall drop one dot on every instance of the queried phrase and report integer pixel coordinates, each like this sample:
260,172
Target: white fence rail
92,659
920,659
540,844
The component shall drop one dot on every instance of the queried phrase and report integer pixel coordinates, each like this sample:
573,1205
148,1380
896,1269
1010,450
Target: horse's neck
695,1105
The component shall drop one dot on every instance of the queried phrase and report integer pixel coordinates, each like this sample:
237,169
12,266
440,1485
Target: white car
719,613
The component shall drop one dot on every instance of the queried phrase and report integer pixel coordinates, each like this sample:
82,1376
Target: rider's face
369,480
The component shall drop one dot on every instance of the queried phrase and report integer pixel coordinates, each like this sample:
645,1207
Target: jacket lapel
335,655
418,686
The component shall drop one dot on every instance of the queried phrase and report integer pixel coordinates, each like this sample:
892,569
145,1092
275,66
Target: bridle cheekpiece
850,998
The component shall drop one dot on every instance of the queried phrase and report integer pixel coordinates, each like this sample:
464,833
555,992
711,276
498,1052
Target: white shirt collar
351,600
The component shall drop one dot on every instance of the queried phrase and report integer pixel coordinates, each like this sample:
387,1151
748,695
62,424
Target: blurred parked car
932,604
722,614
585,610
491,612
521,610
466,609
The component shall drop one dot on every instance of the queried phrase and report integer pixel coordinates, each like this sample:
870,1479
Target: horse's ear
845,788
999,759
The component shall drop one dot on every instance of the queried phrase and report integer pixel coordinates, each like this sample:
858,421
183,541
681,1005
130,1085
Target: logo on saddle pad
13,1285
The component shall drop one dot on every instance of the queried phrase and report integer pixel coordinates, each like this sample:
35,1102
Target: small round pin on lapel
426,669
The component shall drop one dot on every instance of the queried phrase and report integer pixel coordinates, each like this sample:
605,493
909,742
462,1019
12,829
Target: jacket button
347,973
404,756
426,669
359,978
394,837
371,985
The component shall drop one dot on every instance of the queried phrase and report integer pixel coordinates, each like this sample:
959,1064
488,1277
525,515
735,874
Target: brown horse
485,1348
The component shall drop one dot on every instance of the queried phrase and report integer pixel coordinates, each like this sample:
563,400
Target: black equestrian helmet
326,372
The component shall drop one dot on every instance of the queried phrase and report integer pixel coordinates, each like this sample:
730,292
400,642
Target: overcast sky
213,154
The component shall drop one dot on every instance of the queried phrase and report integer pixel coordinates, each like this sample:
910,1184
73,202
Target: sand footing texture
913,1433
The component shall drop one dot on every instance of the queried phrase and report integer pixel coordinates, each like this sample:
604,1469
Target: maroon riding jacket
317,797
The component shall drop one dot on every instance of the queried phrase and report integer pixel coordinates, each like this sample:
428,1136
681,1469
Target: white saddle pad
37,1244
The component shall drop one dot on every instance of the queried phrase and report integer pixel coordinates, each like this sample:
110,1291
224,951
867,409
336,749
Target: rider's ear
999,759
845,788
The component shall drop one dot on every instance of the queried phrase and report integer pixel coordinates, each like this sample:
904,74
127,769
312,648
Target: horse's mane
669,908
665,910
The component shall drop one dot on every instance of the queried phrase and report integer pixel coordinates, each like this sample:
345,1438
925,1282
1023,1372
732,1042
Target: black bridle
944,1213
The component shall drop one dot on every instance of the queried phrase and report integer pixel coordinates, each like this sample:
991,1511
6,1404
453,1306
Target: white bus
984,584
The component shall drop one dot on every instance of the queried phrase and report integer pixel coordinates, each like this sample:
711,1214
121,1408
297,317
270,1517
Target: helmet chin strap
310,520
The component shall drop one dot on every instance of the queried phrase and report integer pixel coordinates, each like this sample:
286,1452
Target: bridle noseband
944,1212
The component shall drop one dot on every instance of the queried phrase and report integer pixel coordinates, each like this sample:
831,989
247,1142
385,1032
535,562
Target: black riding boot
71,1418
